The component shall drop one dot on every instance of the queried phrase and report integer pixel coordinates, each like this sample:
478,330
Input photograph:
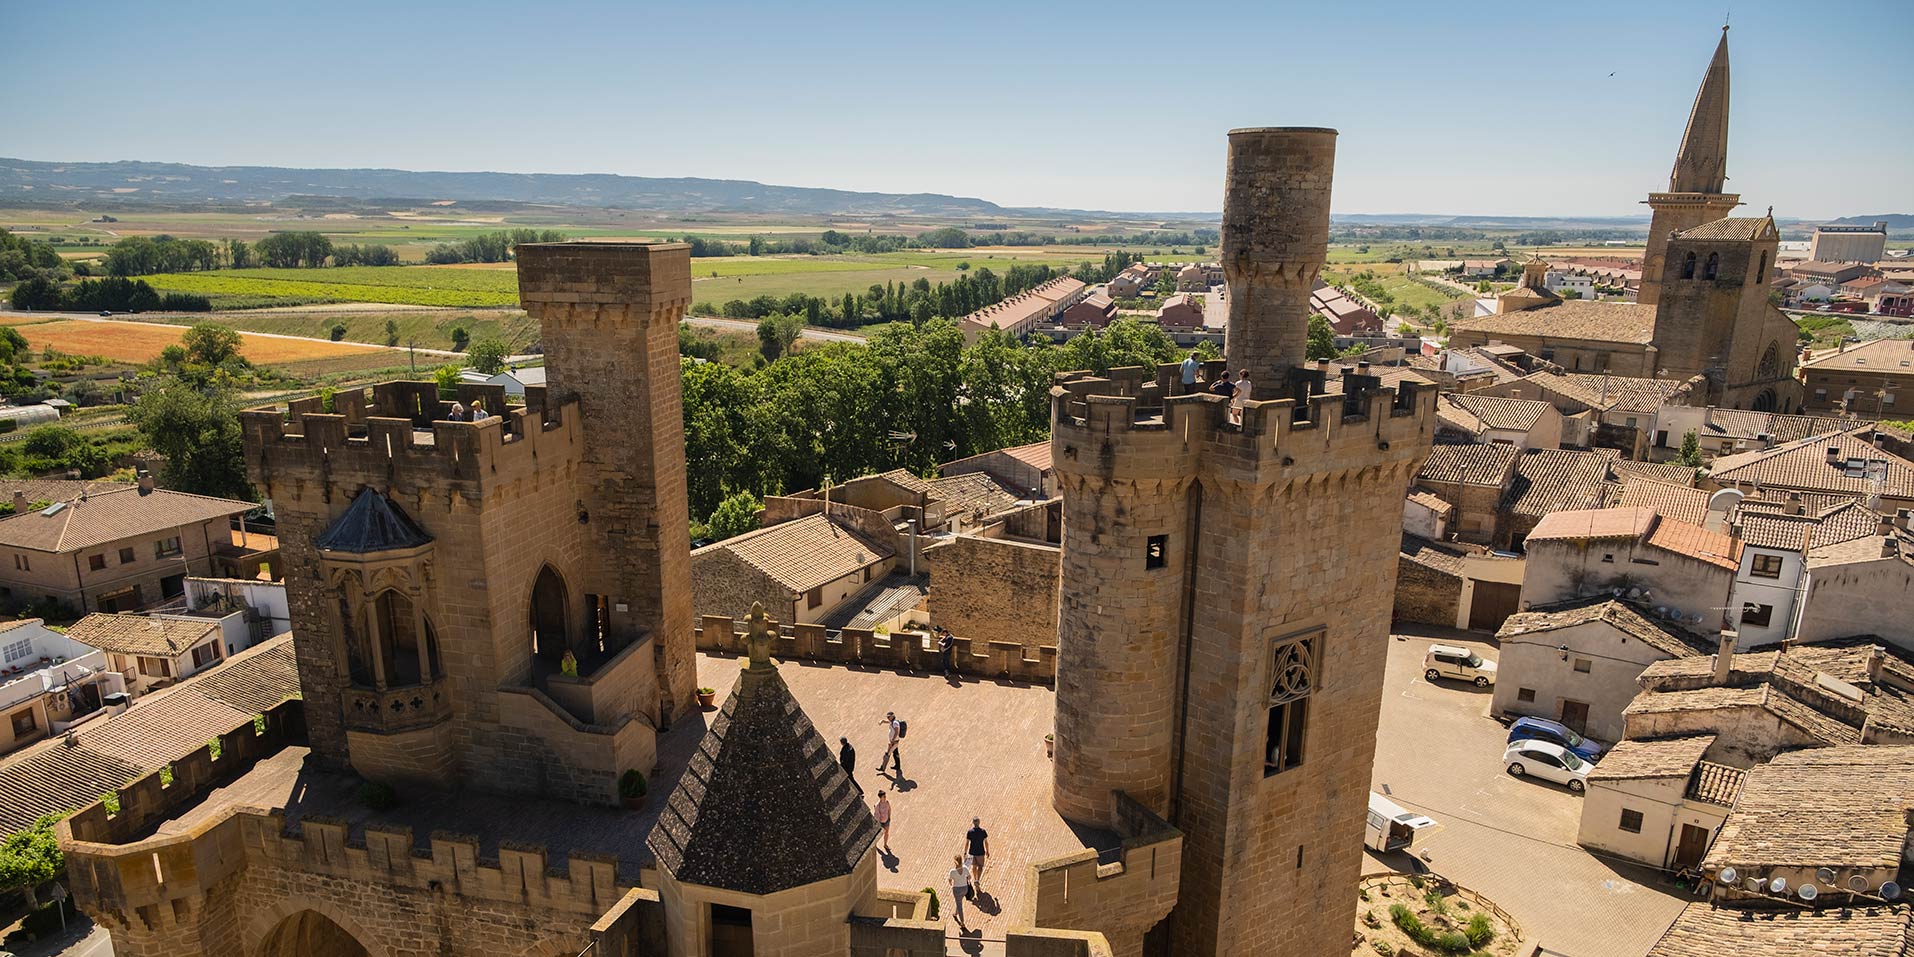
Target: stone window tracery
1293,678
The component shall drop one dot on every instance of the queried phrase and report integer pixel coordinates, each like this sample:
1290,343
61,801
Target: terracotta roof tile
1593,523
1670,639
1731,227
973,493
806,553
1438,556
1665,472
161,636
1804,464
1844,522
103,517
1571,319
1551,480
1659,758
1682,538
1496,412
1470,464
1703,930
1670,501
1881,355
1824,807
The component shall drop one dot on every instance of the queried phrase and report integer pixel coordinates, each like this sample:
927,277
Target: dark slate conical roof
764,805
371,524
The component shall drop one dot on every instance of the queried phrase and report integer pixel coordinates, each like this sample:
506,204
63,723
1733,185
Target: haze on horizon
1090,106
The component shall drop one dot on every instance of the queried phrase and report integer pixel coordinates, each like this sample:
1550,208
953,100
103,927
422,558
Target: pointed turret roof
371,524
764,806
1702,164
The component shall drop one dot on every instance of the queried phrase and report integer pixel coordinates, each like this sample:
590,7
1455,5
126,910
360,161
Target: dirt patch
142,342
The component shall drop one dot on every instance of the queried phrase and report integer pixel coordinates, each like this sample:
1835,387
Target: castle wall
813,920
995,590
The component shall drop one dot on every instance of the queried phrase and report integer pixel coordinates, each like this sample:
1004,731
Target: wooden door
1492,604
1692,847
1575,715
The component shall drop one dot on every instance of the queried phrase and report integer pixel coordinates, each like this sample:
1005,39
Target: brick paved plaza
1511,839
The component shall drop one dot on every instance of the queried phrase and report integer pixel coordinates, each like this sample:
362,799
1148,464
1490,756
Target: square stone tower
502,604
1226,591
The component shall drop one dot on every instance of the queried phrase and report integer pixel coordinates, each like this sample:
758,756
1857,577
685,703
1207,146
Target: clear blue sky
1443,107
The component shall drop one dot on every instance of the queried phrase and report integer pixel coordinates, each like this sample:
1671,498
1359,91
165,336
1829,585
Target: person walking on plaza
1239,397
883,814
959,886
977,848
892,758
847,758
1189,374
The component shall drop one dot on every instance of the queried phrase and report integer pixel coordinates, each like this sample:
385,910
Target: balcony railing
405,708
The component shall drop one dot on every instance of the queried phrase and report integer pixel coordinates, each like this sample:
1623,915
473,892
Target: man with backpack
892,758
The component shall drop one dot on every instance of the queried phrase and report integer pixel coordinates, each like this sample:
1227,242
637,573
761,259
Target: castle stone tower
1227,588
609,315
503,604
1275,238
1701,171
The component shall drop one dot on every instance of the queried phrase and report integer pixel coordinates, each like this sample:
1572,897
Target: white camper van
1391,828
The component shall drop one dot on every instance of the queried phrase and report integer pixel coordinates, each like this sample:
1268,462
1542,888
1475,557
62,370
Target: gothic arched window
1761,271
1714,265
1688,266
1770,362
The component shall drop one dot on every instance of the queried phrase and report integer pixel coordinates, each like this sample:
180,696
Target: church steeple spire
1702,164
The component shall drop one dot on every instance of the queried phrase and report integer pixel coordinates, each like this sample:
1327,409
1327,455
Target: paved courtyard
1511,839
974,748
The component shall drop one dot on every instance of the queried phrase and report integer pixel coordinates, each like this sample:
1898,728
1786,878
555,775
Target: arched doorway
311,934
1765,402
550,608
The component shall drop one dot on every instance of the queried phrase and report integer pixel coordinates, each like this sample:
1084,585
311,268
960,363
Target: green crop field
402,285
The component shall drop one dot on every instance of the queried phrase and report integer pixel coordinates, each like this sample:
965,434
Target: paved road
1511,839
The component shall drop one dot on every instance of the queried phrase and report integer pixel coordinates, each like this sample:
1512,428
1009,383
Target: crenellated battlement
396,434
1123,425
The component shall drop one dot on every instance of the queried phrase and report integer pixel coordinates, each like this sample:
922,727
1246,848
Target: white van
1450,661
1391,828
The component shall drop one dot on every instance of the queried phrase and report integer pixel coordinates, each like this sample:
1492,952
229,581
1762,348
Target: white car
1550,762
1450,661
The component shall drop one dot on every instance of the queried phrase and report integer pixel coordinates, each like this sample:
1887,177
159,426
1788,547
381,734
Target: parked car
1449,661
1558,734
1391,828
1550,762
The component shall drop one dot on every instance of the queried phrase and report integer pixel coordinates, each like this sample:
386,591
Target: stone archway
1766,401
550,615
310,929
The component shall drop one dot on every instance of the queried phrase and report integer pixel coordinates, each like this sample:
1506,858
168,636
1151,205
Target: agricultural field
138,342
423,328
402,285
1394,279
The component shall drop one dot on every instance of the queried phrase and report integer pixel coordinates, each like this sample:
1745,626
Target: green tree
1322,339
38,292
31,857
197,429
487,355
447,377
211,344
734,516
391,332
776,335
338,331
1690,450
59,447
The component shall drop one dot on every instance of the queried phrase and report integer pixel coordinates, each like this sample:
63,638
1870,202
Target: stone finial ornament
758,640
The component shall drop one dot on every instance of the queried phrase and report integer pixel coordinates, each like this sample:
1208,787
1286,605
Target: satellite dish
1779,885
1806,892
1857,884
1756,884
1825,875
1890,891
1727,875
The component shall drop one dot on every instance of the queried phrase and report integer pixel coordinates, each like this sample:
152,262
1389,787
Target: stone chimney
146,481
1795,505
1876,657
1275,239
19,501
1725,656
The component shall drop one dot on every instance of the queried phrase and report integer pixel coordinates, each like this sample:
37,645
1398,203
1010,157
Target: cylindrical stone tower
1275,238
1125,552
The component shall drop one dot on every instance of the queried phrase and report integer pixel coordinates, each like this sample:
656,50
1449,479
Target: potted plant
707,698
632,789
1049,745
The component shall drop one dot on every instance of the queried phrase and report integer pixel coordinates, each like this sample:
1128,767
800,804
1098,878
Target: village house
1092,312
1857,586
1471,478
1523,423
1866,380
122,547
1823,272
1025,468
1344,314
1132,281
1428,581
1720,432
1658,802
49,682
1837,465
1777,536
1578,661
153,651
1660,561
801,569
1762,703
1603,411
1018,315
1182,311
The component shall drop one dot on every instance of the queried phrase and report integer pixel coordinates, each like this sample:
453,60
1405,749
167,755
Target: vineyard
401,285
